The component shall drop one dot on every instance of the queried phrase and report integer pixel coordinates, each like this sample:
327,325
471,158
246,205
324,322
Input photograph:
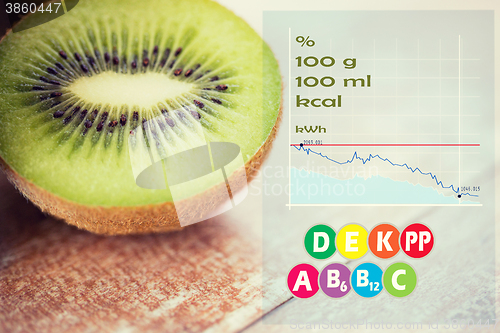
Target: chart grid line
290,112
387,145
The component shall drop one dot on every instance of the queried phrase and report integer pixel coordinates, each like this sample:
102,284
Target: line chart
400,120
356,157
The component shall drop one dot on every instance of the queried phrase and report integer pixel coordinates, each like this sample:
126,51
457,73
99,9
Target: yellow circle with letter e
351,241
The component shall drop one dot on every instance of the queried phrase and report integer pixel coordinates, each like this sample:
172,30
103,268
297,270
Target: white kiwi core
141,90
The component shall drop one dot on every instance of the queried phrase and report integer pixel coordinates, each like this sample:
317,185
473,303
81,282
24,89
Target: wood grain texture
56,278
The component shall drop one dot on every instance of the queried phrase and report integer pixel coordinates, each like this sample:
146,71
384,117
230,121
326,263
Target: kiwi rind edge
133,220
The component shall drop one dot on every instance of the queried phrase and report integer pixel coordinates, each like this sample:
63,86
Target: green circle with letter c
400,279
320,241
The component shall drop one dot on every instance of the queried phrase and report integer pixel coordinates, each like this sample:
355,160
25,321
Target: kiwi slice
75,89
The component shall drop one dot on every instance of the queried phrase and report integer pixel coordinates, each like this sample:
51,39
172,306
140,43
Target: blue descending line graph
355,156
395,182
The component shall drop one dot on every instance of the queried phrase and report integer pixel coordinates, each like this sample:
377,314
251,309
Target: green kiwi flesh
72,90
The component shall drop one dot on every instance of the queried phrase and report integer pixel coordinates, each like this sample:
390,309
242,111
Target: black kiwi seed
100,126
91,61
107,58
172,64
145,62
221,87
188,73
199,77
198,104
54,82
60,66
178,51
116,60
84,68
52,71
58,114
36,88
104,116
163,62
56,94
195,114
94,113
83,114
161,126
134,64
135,116
44,79
88,123
178,72
78,57
112,123
123,119
155,50
215,100
170,122
67,120
63,55
215,78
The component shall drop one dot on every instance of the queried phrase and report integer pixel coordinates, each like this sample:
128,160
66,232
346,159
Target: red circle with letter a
303,281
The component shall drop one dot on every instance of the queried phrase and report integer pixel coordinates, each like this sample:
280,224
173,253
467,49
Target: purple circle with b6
335,280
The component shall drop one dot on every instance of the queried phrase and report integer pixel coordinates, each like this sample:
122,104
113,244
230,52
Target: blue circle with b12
366,280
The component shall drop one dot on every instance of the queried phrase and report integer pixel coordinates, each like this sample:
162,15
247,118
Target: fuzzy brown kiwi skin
141,219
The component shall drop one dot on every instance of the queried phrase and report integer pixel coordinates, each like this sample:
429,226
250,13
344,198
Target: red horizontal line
391,145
